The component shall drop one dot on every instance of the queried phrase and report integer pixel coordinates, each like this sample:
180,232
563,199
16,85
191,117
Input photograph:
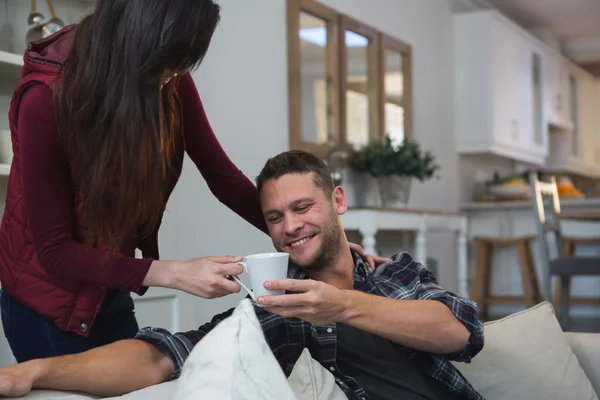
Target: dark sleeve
464,310
48,197
407,278
224,179
178,346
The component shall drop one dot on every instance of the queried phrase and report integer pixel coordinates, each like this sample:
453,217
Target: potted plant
394,167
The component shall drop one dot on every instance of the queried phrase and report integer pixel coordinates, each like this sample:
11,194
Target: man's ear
339,200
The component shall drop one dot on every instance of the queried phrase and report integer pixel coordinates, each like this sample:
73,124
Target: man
386,334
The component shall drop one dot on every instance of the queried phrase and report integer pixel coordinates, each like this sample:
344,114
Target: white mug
263,267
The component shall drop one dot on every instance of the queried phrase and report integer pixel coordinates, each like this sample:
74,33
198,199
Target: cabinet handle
515,129
558,102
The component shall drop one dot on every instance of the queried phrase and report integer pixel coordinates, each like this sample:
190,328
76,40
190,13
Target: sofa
526,356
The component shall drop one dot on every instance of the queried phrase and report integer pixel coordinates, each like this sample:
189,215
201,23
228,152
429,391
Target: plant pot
361,188
394,190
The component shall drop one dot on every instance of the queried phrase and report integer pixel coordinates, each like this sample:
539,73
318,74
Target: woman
100,122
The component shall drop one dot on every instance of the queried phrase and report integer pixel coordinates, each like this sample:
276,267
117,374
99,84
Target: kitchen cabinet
574,149
597,128
557,91
587,131
500,76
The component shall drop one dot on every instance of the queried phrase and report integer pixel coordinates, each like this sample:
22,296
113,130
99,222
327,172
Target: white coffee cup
263,267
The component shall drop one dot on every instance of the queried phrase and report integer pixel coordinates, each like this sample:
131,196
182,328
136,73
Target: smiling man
384,334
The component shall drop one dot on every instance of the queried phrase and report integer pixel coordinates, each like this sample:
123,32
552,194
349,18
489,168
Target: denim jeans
30,335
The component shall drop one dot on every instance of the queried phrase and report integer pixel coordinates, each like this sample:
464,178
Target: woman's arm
49,201
224,179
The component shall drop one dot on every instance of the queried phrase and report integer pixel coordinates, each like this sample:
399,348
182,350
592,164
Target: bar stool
570,244
483,274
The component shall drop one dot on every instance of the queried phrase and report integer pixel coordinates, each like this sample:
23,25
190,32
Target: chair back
546,210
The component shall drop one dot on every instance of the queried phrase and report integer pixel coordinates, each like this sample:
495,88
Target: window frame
336,77
330,16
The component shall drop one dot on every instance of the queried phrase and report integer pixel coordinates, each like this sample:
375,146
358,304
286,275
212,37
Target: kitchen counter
522,204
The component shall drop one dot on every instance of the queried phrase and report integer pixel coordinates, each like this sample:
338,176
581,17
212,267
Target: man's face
302,220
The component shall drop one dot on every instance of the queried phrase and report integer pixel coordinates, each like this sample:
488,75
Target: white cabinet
500,76
557,91
575,149
587,130
532,116
597,129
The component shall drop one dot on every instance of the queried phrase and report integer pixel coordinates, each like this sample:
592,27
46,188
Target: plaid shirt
402,279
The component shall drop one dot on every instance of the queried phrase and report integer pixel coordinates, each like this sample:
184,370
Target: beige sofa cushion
586,347
311,381
527,356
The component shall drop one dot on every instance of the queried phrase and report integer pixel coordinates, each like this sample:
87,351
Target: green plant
384,159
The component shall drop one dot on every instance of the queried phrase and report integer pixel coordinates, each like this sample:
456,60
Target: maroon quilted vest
72,307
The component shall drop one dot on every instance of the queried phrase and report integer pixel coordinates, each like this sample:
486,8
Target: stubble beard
329,249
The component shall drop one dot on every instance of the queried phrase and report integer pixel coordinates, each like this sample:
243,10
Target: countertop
590,203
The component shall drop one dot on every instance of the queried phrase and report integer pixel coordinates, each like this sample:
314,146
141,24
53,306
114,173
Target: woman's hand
206,277
371,260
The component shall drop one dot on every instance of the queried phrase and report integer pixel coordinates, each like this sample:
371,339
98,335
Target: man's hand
312,301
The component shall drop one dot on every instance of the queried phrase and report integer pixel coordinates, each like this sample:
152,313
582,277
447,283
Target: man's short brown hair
297,162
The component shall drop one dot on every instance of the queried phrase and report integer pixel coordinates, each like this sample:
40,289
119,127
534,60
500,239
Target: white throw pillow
233,362
526,356
43,394
311,381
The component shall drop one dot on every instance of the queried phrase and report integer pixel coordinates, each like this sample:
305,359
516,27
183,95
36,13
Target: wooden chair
564,265
480,292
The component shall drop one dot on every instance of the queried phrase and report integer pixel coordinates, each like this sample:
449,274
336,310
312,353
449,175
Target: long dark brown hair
117,124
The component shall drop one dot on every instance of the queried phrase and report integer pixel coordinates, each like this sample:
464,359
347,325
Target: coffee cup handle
235,278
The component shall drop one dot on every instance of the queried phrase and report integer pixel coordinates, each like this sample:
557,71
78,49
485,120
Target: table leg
421,245
368,240
462,264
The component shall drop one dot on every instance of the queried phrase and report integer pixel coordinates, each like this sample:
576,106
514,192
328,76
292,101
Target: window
348,83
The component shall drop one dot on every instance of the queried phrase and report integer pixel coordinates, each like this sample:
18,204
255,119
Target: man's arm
154,356
425,325
415,312
111,370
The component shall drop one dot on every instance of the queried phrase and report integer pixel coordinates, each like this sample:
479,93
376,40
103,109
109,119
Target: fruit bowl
511,192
